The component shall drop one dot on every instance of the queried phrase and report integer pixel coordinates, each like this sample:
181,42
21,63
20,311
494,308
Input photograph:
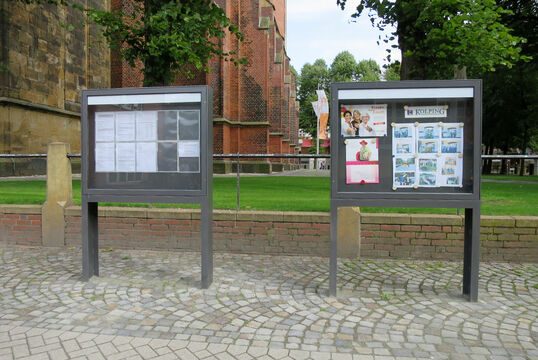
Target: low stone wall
409,236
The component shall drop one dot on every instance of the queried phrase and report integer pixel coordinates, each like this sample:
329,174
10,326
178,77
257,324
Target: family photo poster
364,120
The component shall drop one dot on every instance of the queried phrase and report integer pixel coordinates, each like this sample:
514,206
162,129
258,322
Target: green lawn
288,193
533,178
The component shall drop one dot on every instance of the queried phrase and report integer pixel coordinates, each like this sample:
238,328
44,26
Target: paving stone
279,313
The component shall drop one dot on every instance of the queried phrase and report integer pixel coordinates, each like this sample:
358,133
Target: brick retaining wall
413,236
20,224
245,232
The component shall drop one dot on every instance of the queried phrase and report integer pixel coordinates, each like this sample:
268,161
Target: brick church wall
254,107
47,66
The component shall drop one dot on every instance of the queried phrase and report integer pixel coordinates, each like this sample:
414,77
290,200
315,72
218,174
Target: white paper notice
188,148
125,126
125,157
146,126
146,157
104,126
104,157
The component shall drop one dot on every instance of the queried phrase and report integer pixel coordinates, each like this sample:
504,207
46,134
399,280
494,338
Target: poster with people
364,120
362,161
427,154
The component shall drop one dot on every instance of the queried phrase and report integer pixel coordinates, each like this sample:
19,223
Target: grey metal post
207,240
334,242
238,188
471,256
90,239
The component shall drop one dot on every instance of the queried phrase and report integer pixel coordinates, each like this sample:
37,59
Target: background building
44,65
254,110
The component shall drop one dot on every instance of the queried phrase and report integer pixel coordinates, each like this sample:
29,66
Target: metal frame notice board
408,144
147,145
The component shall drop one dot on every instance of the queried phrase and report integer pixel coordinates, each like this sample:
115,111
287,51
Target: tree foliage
345,68
319,76
436,36
392,71
511,95
368,70
167,35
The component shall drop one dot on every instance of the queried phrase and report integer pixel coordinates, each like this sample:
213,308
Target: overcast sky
319,29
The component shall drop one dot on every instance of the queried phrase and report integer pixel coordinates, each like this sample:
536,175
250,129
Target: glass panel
167,156
167,125
189,125
189,165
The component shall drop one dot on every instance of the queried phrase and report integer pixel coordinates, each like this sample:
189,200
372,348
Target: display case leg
90,240
333,256
471,255
207,243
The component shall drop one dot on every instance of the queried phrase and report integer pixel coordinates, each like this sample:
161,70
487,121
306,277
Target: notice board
147,145
408,144
147,140
406,140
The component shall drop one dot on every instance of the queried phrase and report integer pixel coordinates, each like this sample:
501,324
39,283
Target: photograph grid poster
427,154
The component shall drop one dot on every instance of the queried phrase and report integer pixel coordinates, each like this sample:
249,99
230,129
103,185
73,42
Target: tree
166,35
392,71
368,70
511,95
313,76
436,37
345,68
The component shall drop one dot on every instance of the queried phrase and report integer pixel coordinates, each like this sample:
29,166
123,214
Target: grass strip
289,193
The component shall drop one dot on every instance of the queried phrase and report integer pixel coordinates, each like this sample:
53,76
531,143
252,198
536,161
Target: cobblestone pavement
147,305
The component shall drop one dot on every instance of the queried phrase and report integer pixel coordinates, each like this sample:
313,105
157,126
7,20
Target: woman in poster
357,116
364,128
347,129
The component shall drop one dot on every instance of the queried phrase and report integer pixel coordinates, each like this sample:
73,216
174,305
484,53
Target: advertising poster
364,120
362,161
322,113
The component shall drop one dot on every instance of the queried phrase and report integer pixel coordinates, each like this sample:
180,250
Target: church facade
254,105
44,65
